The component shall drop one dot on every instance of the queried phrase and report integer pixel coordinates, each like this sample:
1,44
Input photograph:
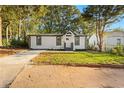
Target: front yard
78,58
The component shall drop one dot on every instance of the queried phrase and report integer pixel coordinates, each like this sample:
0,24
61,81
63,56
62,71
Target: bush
19,43
114,51
5,43
92,47
118,50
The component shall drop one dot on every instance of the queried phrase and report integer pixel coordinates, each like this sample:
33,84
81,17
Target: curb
85,65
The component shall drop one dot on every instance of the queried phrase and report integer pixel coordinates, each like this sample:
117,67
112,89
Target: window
58,41
69,33
77,40
38,40
118,41
67,38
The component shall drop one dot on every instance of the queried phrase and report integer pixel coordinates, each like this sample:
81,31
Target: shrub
5,43
19,43
114,51
118,50
92,47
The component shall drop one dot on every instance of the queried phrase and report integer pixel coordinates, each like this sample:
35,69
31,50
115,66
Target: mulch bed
6,52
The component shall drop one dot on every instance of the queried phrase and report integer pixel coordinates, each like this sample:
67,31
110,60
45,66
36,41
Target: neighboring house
111,40
67,41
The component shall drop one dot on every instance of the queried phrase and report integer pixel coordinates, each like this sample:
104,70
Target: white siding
82,44
71,40
48,42
93,40
109,40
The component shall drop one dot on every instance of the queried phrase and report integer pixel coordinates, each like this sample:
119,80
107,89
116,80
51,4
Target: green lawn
78,58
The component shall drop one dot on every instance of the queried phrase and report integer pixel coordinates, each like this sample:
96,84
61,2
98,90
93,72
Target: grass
78,58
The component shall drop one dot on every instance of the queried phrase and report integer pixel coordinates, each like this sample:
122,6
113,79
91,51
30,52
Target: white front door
68,42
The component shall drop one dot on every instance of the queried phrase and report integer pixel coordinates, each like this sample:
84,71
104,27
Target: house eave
45,35
55,35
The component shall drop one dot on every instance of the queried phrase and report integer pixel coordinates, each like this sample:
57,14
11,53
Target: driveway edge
9,84
85,65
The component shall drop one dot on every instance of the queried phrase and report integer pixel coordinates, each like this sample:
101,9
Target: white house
110,40
67,41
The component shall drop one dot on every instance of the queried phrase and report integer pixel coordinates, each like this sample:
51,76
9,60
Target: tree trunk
87,42
10,31
0,32
100,41
25,28
19,29
7,39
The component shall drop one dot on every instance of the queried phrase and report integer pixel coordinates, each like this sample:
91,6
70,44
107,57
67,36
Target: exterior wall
71,40
48,42
109,41
112,42
82,44
93,41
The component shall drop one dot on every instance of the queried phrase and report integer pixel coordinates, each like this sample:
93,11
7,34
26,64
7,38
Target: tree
18,21
87,26
118,30
8,15
59,19
35,19
1,27
0,31
103,16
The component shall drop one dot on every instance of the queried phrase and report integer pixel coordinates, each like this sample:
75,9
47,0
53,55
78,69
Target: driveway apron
10,66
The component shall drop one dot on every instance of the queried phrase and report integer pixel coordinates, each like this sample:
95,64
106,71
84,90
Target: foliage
78,58
87,26
21,20
118,30
103,16
18,43
92,47
18,21
118,50
60,19
5,43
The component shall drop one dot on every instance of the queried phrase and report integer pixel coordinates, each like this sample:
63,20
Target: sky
119,24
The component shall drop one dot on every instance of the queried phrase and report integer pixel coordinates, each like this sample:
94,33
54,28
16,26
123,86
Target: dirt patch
6,52
57,76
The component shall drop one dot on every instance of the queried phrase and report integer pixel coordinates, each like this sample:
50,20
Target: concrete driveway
58,76
10,66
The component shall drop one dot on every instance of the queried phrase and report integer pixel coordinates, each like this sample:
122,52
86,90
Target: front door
68,44
68,40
